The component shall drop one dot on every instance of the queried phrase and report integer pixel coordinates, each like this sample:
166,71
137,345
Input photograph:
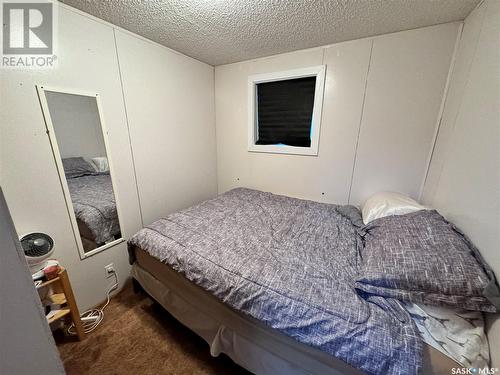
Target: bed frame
88,239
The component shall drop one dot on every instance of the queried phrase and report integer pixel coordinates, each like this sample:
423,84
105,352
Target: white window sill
284,149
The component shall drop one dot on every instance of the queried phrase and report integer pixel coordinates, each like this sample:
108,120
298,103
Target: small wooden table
63,295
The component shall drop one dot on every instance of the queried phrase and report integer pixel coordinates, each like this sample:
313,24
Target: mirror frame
41,89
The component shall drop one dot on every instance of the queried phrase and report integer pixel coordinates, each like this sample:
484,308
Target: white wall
76,124
170,107
464,178
88,61
404,91
381,104
28,172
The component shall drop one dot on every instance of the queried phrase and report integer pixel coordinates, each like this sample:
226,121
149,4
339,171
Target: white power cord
93,317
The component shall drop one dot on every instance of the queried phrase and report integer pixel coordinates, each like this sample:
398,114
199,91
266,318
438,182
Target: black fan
37,248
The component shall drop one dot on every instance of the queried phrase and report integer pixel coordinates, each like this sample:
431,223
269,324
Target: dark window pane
284,112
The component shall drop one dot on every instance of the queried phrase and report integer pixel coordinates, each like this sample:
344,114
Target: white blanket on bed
457,333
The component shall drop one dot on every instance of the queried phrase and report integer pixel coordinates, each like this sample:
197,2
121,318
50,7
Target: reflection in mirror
82,150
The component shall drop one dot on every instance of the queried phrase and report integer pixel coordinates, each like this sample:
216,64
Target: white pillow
388,204
101,164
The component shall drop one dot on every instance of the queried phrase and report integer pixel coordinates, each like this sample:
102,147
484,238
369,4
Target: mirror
75,129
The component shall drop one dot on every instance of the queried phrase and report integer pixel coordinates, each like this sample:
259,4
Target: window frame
314,71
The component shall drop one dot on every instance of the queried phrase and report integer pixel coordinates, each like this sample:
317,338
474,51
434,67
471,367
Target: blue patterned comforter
291,264
94,204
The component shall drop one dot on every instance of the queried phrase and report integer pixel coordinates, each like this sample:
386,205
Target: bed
95,209
93,199
269,280
251,344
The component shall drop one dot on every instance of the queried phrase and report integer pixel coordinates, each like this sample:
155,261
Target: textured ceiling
224,31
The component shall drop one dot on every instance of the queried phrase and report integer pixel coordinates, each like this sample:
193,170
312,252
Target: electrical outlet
110,270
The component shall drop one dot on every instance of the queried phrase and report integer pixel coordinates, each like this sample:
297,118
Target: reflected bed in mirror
75,129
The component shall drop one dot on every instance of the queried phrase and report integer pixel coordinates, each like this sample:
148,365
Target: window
285,111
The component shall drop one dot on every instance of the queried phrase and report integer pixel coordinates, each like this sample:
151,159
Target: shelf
61,294
58,298
58,315
48,282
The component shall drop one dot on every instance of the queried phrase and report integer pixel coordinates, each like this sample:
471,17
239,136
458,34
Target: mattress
290,264
251,344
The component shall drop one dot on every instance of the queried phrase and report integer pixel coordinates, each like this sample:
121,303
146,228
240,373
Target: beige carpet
138,336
